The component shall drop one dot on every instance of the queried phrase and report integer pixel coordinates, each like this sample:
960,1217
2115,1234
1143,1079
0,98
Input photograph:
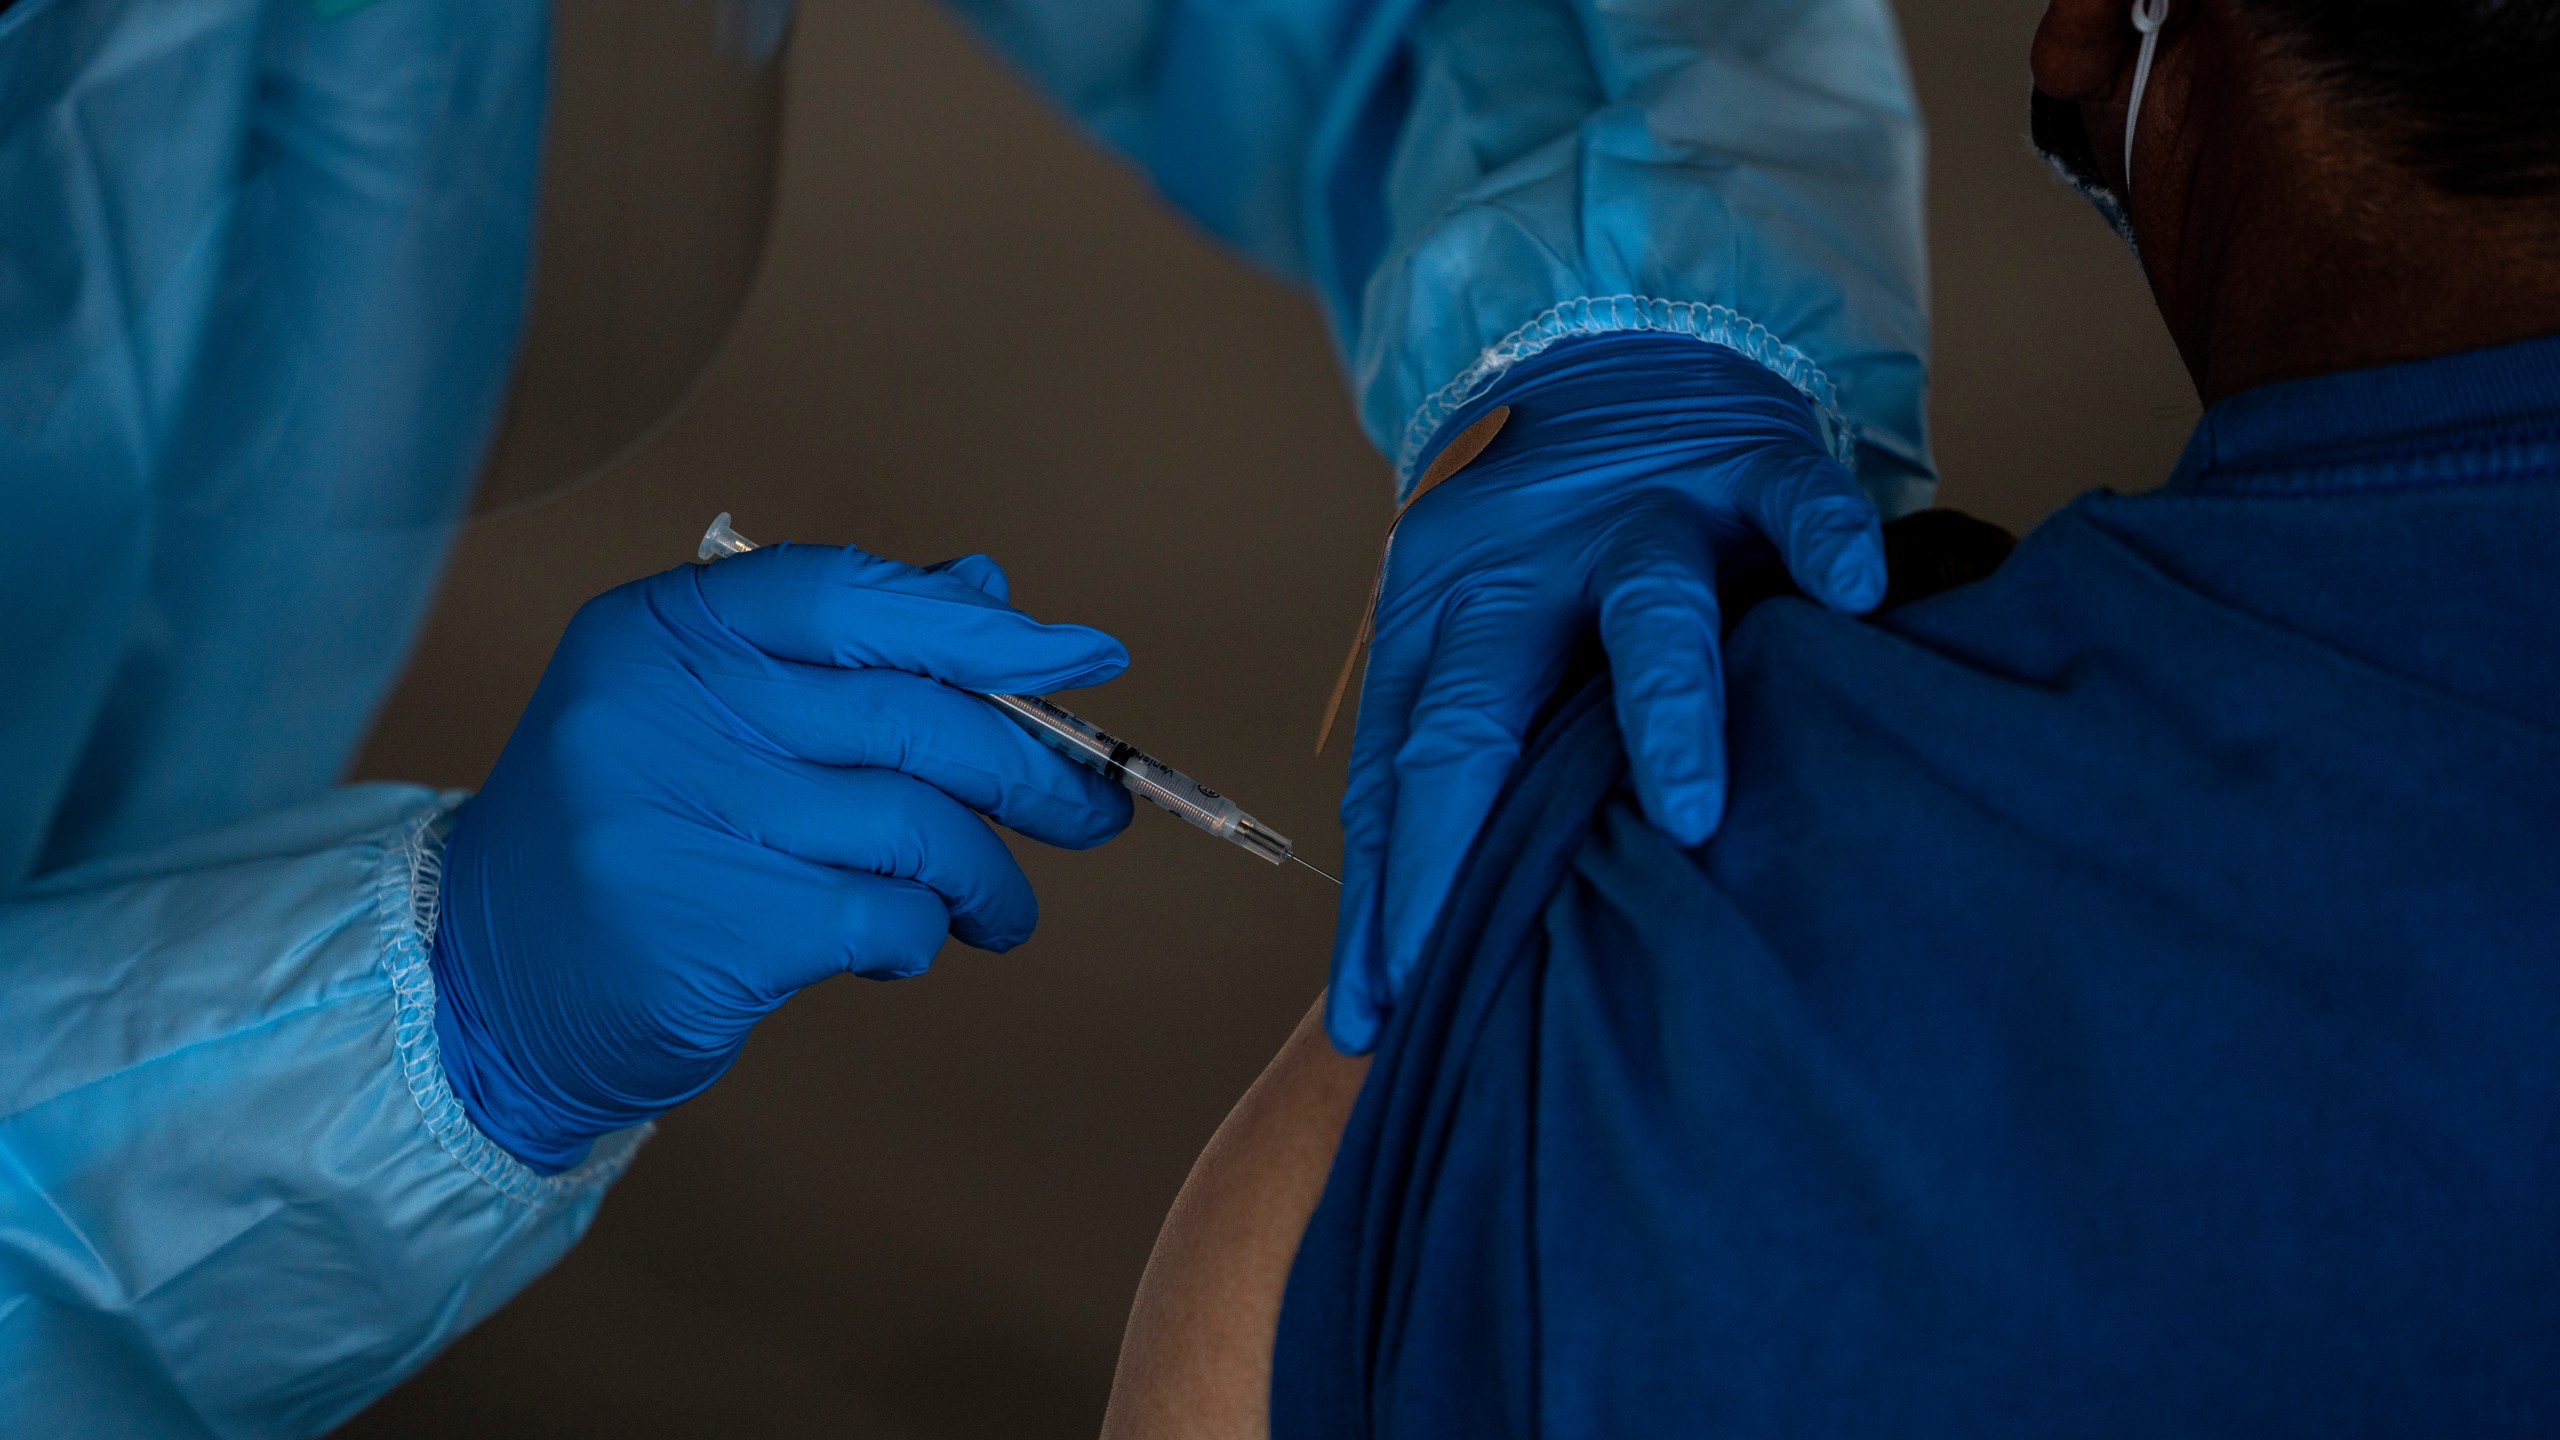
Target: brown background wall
919,1209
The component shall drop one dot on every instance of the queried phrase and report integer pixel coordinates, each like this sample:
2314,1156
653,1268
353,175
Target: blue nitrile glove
734,781
1629,468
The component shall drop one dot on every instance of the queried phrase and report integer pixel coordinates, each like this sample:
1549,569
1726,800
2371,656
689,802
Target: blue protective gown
262,268
2119,1002
262,271
1464,183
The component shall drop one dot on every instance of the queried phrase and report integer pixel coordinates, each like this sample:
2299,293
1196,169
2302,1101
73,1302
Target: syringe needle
1303,860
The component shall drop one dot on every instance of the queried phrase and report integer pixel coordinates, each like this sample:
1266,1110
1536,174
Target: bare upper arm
1195,1361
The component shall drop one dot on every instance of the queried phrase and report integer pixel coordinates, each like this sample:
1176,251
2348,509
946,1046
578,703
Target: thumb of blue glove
731,783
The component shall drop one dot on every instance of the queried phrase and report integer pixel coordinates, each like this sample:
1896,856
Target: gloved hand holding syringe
1089,744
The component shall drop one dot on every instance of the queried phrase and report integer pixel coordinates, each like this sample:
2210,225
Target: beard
2059,135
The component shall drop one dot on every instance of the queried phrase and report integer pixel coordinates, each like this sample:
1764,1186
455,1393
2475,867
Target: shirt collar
2395,424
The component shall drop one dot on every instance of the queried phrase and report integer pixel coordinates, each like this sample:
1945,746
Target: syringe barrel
1143,775
1086,743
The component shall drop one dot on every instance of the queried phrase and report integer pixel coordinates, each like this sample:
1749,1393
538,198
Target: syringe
1089,744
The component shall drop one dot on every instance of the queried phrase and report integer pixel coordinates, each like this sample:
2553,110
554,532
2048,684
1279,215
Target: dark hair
2467,91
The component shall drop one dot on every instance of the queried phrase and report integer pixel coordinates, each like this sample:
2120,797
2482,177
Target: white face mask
2055,130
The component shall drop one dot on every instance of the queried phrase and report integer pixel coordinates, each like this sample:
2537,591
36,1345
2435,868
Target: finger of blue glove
892,929
1498,659
980,571
1355,1000
805,921
829,605
880,822
1826,529
1399,662
1662,628
948,738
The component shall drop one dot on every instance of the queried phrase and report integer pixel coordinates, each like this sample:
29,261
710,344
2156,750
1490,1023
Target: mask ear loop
2148,17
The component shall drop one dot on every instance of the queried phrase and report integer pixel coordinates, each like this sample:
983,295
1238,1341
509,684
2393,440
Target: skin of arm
1195,1361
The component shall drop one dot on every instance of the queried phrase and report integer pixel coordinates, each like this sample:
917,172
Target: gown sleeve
1464,183
236,1194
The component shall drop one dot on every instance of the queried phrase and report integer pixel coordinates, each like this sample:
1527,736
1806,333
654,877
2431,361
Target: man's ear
2080,48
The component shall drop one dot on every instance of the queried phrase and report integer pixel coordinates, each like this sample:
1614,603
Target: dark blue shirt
2124,997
